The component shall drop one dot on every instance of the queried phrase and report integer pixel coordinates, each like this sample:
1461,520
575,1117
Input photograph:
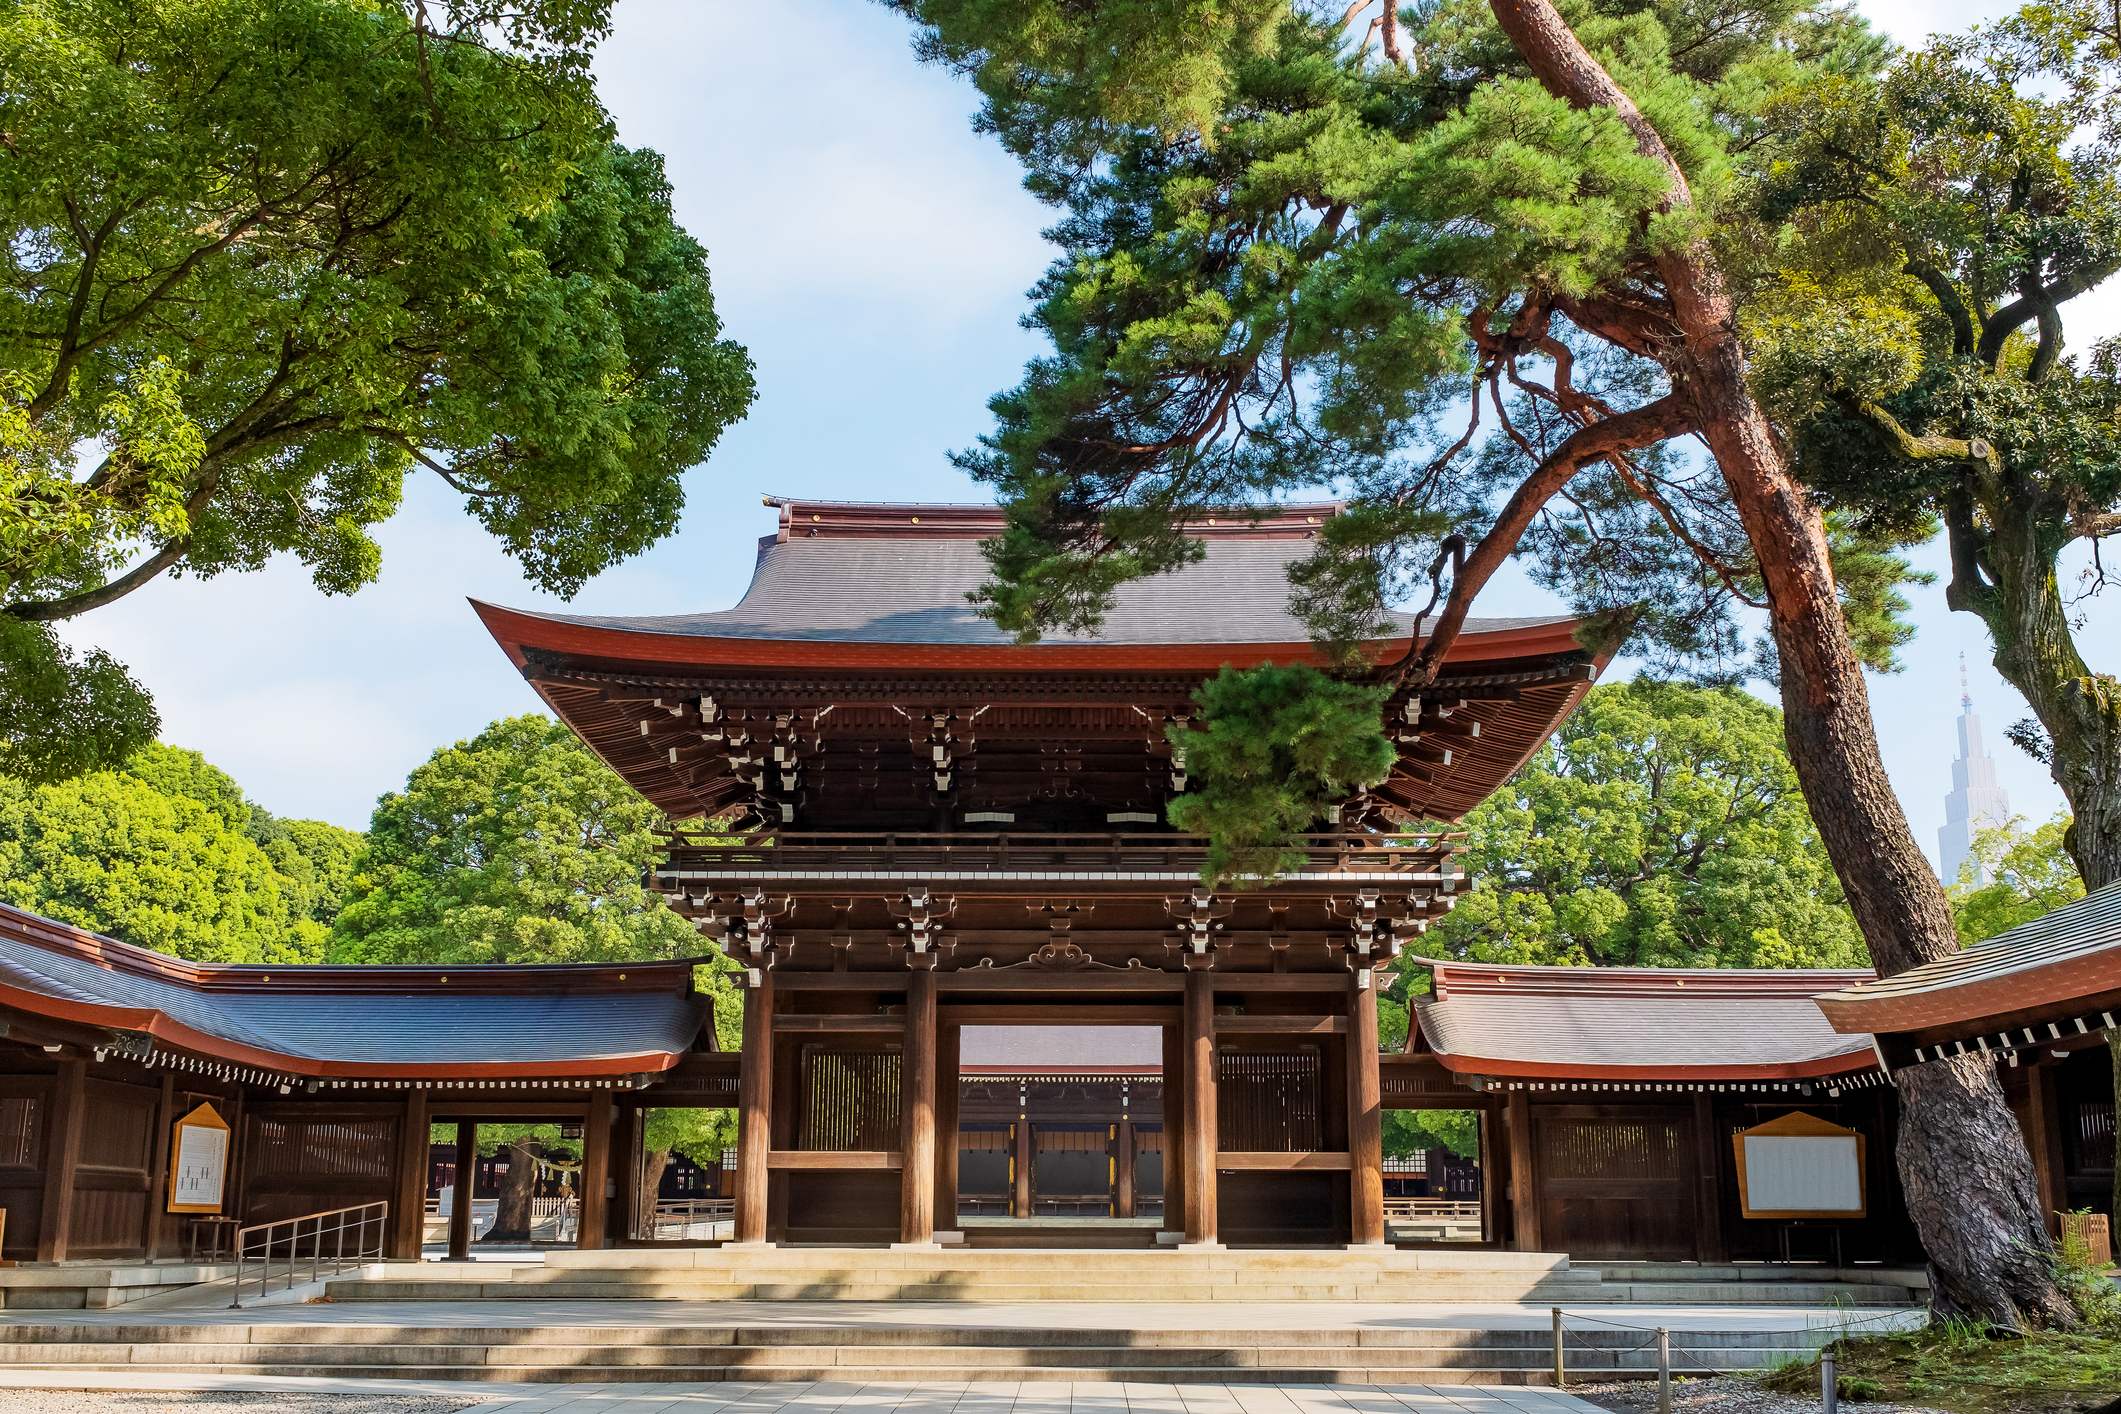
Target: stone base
916,1246
1202,1247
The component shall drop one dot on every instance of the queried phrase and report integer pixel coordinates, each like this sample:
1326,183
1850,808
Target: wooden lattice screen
2095,1135
1606,1149
21,1146
851,1100
1267,1101
986,1141
1072,1141
337,1149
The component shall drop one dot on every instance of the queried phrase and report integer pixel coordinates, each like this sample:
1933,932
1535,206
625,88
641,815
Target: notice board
1801,1166
198,1162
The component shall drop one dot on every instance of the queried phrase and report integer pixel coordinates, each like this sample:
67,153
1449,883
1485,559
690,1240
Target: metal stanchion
1664,1371
1560,1379
1829,1388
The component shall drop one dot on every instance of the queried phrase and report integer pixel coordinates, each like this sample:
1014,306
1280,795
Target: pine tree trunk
1978,1222
511,1219
653,1162
2004,569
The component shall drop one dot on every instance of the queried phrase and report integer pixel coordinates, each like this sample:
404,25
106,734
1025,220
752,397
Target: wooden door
109,1217
1616,1185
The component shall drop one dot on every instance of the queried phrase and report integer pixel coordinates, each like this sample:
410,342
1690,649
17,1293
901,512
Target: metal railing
1433,1208
336,1239
690,1219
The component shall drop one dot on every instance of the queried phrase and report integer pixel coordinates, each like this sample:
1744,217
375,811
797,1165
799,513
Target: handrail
339,1259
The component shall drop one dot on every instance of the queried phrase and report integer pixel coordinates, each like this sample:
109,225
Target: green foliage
167,854
64,712
270,258
702,1135
515,846
2030,876
1408,1130
1304,288
1662,827
1276,749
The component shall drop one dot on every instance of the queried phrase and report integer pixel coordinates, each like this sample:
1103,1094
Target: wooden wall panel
1617,1188
296,1165
111,1179
1269,1101
24,1104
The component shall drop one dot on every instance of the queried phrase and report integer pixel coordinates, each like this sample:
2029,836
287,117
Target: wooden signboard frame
1799,1125
207,1119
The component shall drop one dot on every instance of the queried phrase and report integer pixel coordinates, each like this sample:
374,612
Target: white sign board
198,1162
1808,1173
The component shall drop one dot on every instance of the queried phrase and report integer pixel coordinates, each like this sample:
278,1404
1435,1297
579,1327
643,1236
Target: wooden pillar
460,1198
1123,1168
1709,1246
916,1213
591,1231
1524,1175
947,1086
158,1215
624,1221
1494,1178
2050,1181
1174,1110
754,1134
1025,1149
1366,1139
1200,1102
62,1158
408,1216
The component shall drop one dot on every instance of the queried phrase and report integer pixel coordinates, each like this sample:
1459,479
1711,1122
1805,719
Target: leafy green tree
1295,289
518,845
1275,751
268,259
2030,875
1910,334
167,854
1662,827
701,1135
1408,1130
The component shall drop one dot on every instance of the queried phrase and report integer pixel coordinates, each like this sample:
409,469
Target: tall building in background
1976,802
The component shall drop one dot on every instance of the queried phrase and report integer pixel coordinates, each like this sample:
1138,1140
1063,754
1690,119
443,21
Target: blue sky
873,253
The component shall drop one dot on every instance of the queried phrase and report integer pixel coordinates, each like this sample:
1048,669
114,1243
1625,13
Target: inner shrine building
927,835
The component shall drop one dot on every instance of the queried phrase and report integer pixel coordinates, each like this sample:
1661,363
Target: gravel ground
1727,1395
76,1401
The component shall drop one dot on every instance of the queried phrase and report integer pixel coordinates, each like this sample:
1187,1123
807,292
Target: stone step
385,1289
1144,1263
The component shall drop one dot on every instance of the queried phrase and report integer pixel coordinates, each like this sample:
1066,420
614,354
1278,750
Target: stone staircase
882,1353
841,1274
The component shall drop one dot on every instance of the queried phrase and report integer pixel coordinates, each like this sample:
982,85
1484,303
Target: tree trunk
1980,1225
653,1163
511,1219
2020,600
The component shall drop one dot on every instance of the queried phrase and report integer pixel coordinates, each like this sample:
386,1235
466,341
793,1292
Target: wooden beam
596,1173
1174,1107
463,1189
788,1022
947,1094
1709,1247
1281,1025
62,1158
1524,1175
445,1108
1366,1181
159,1227
1123,1168
1036,1014
2044,1115
755,1109
1024,1152
834,1159
408,1215
1286,1163
917,1106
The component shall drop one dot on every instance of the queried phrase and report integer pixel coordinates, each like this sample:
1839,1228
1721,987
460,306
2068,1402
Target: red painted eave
1848,1062
2055,991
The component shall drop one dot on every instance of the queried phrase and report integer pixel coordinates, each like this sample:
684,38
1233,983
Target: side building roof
297,1022
2057,978
1630,1024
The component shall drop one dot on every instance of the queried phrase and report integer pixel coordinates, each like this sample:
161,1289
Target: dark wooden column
947,1088
1494,1179
460,1198
158,1214
625,1220
1174,1107
1026,1154
754,1135
408,1203
1708,1188
916,1213
1123,1168
1366,1138
1524,1175
1200,1102
2044,1114
62,1158
596,1173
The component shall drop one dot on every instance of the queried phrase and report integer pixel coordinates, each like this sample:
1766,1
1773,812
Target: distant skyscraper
1976,802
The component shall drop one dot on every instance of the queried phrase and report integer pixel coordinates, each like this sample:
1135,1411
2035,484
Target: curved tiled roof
911,590
2057,964
405,1022
1597,1023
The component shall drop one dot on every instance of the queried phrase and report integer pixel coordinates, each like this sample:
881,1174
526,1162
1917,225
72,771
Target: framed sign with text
198,1162
1801,1166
